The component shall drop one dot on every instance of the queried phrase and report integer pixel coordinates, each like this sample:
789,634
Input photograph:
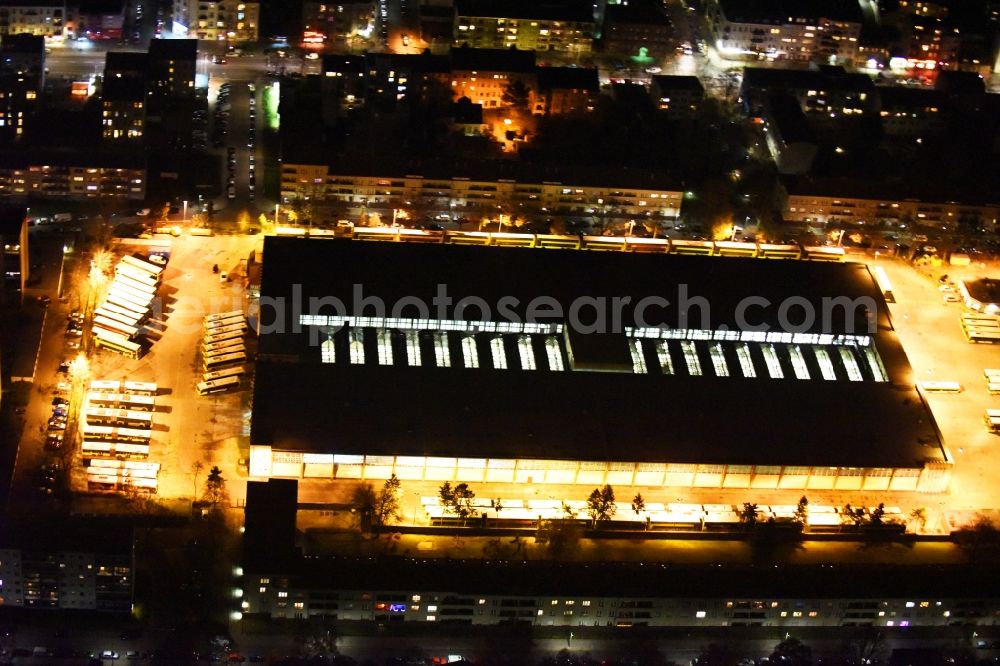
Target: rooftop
11,219
676,82
173,49
270,521
464,59
786,11
23,43
642,12
568,78
827,78
467,388
550,10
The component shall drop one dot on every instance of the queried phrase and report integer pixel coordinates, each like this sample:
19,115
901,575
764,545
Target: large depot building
509,388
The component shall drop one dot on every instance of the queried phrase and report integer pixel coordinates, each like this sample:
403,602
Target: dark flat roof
651,581
546,10
984,290
831,78
677,82
492,60
269,520
176,49
568,78
301,404
781,11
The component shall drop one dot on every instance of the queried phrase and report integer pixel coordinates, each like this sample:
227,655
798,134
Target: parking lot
187,428
930,332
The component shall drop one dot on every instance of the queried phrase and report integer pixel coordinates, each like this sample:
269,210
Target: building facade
532,198
217,20
824,31
803,206
23,176
325,21
22,78
568,26
46,18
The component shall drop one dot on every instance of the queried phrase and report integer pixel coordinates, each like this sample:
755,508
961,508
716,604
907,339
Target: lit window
700,614
384,347
412,348
825,364
358,346
432,609
638,362
327,351
482,602
910,604
282,595
299,604
691,358
555,602
772,362
497,352
663,356
442,356
585,602
854,374
263,590
718,360
470,356
526,352
415,597
798,362
554,353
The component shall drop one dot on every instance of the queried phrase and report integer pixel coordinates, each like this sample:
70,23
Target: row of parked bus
120,318
117,475
223,352
118,419
981,328
527,513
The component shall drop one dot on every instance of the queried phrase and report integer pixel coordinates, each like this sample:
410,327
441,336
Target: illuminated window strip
851,363
875,363
773,364
526,352
750,336
407,324
497,351
691,358
663,356
413,348
825,364
554,352
384,347
718,361
470,356
746,361
357,346
638,362
798,362
328,351
442,355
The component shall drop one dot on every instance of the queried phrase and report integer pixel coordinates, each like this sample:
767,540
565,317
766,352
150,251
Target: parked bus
116,343
141,403
942,387
139,311
110,434
992,420
140,304
225,347
224,323
114,316
218,386
135,283
238,327
130,315
115,449
124,417
234,371
883,283
987,337
105,385
130,332
218,361
222,337
138,276
222,316
147,266
140,388
140,297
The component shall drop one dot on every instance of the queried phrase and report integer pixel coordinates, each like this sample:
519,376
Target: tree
792,652
748,514
920,515
243,221
497,506
363,500
601,504
717,654
878,514
516,95
980,540
196,469
560,536
215,486
638,504
855,516
457,500
387,502
802,510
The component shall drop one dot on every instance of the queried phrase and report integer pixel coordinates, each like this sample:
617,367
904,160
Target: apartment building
816,30
46,18
566,90
22,77
73,567
553,25
483,75
677,95
531,192
96,19
217,20
638,29
852,202
337,19
828,91
71,176
123,109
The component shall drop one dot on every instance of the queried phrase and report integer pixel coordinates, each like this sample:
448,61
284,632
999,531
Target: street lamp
184,216
277,207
